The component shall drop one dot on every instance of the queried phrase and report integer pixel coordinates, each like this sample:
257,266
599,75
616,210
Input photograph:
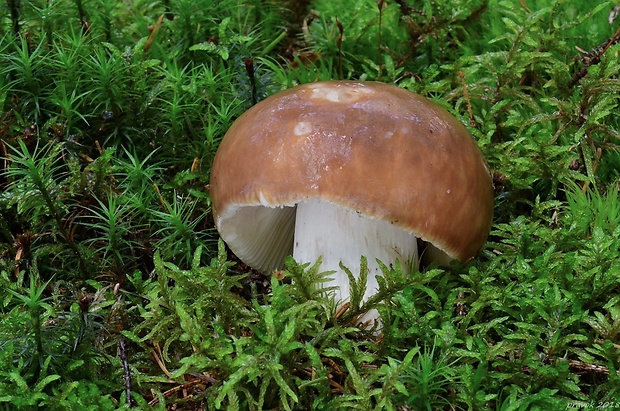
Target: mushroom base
338,234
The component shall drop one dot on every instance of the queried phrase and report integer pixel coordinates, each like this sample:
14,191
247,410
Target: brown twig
593,57
343,309
126,372
472,119
154,29
162,201
581,367
201,381
158,358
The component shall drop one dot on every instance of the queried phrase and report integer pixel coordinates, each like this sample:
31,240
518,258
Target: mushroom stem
338,234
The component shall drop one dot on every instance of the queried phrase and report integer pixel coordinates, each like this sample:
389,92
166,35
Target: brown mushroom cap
375,148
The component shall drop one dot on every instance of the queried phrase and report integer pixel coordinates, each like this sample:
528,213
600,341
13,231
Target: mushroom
344,169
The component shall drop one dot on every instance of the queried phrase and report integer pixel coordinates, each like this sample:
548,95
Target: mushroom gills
264,235
339,234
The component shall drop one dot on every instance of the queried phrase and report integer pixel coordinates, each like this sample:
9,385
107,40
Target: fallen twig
201,381
593,57
126,372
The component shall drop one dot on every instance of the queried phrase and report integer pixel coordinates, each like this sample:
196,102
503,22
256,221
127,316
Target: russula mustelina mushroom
344,169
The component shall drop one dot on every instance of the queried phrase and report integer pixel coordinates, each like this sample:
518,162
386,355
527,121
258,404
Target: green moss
111,114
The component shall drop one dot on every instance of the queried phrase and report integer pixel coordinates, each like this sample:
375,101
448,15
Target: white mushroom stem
338,234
